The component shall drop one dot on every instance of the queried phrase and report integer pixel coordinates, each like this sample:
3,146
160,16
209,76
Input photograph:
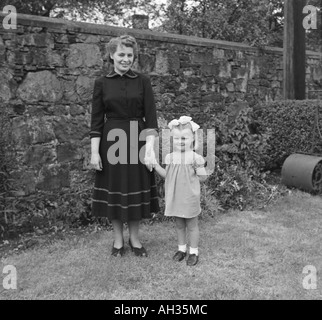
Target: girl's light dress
182,186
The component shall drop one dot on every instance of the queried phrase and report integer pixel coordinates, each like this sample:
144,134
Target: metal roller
303,171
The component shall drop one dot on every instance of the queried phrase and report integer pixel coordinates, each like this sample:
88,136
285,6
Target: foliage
43,212
7,163
314,36
98,11
210,204
239,145
239,161
256,23
292,127
253,22
238,178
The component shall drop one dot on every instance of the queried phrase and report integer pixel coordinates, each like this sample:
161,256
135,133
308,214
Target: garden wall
48,67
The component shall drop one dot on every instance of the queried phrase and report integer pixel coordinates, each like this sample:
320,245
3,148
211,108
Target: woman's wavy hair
124,40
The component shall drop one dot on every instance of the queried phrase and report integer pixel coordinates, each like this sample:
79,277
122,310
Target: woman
123,129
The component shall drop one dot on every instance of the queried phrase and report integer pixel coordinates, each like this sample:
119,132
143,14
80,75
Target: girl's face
123,59
182,139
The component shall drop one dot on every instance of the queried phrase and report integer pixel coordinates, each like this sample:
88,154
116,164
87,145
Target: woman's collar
130,74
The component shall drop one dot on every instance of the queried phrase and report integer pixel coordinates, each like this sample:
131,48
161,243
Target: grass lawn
243,255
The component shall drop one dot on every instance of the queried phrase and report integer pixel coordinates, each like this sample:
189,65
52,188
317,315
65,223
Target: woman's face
123,59
182,140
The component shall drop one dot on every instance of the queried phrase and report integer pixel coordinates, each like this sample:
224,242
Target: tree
255,22
102,11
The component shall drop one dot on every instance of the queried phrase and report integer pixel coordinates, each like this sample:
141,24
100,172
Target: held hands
149,160
96,162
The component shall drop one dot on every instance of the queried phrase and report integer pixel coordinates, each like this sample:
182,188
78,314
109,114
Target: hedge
293,126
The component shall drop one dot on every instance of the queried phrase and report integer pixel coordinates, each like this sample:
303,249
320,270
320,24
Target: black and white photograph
160,154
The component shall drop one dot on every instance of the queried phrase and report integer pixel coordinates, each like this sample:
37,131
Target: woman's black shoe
117,252
139,252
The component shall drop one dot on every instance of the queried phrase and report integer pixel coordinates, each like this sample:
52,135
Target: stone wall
48,67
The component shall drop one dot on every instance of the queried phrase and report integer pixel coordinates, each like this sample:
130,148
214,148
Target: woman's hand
96,161
149,159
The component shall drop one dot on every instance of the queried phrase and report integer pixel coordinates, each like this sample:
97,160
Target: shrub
7,163
239,163
293,127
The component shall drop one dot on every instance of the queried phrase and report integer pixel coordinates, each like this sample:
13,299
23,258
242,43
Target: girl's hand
96,161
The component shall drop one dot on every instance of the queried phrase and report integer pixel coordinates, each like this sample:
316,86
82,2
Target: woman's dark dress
125,189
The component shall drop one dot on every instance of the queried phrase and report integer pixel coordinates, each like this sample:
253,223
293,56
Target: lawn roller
304,170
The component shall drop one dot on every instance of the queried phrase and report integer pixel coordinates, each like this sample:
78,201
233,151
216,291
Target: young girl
184,169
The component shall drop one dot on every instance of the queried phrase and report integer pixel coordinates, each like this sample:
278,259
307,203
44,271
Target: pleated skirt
125,189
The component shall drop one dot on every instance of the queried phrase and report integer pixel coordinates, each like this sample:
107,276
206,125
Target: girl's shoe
139,252
117,252
192,260
179,256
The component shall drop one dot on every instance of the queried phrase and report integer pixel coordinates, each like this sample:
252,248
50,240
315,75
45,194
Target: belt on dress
124,118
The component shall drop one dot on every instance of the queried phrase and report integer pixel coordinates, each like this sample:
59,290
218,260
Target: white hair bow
183,120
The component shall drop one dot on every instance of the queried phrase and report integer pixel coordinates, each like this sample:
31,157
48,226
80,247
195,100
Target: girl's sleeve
150,112
199,161
167,159
97,115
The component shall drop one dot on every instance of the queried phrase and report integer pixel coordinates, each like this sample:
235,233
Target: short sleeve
97,115
199,161
167,159
150,113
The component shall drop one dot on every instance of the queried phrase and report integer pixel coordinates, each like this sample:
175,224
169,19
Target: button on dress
123,113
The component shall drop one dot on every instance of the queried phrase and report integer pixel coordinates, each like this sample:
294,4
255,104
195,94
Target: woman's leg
134,227
118,233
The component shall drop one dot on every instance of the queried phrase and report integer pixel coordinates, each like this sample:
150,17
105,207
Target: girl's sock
194,251
183,248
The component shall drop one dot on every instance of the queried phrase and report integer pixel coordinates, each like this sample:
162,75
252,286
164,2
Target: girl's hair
181,127
124,40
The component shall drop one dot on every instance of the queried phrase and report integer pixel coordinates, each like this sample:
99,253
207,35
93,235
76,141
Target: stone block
84,55
275,84
70,129
209,70
202,58
230,87
54,59
146,63
24,181
39,155
84,88
161,62
40,86
53,177
5,89
225,70
67,152
31,131
174,62
317,74
76,110
218,54
241,85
